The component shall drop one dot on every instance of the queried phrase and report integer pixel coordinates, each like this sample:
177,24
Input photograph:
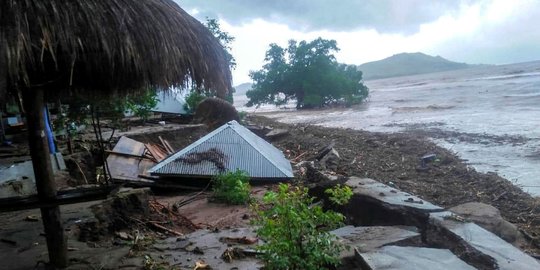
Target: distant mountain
241,89
408,64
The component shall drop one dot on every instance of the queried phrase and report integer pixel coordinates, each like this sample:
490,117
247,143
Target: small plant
141,105
232,187
339,195
295,231
242,116
193,99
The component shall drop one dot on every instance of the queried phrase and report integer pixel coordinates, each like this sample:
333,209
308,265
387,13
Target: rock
392,198
123,235
411,258
276,133
489,218
259,130
366,239
330,160
471,238
325,150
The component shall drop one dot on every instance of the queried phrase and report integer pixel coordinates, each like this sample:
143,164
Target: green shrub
193,99
339,195
295,231
142,104
231,187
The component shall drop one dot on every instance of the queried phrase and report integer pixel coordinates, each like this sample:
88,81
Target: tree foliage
308,73
224,38
196,95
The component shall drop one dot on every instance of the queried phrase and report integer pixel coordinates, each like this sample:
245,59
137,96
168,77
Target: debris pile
133,210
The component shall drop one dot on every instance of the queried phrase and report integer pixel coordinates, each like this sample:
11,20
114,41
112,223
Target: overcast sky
471,31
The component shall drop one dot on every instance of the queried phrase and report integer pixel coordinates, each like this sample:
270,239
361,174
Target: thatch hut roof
106,47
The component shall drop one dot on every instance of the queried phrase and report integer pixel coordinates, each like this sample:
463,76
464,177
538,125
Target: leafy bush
232,187
339,195
142,104
193,99
295,231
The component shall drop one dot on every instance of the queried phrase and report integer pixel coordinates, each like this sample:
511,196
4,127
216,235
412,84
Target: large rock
412,258
330,160
366,239
467,237
389,196
277,133
489,218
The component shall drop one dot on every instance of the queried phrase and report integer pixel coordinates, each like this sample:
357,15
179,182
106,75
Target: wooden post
46,186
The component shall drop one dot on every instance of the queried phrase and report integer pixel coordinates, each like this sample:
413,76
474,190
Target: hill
408,64
241,89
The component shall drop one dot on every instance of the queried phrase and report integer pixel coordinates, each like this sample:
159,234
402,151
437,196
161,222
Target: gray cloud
385,16
515,40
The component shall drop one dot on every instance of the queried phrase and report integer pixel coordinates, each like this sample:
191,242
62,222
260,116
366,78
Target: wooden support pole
46,186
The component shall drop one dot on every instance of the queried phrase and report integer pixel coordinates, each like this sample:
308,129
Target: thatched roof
106,46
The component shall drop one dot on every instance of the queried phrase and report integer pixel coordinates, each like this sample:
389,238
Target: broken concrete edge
368,207
438,236
477,240
392,196
409,258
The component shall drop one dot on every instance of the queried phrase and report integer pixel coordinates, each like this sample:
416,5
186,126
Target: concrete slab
381,192
367,239
506,255
412,258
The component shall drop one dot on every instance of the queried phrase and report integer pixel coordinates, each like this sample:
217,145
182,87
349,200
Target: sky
471,31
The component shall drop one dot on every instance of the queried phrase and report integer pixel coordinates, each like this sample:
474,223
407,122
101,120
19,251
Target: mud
395,159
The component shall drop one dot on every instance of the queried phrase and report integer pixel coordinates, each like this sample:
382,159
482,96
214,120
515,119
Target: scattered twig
166,229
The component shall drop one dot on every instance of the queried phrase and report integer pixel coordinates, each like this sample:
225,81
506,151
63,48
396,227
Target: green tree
226,41
224,38
308,73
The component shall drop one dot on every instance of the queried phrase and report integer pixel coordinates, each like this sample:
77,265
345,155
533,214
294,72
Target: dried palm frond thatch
106,47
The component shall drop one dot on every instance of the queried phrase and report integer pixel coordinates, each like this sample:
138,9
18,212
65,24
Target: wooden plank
129,146
167,147
125,154
153,151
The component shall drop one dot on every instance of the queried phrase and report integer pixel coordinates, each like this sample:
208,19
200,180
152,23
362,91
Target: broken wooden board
127,161
129,146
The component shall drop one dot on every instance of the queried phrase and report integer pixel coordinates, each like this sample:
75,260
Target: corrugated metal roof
170,103
231,146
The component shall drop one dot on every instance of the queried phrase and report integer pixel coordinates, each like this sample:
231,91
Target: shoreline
512,156
394,158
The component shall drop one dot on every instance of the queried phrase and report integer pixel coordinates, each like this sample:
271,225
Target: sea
488,115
